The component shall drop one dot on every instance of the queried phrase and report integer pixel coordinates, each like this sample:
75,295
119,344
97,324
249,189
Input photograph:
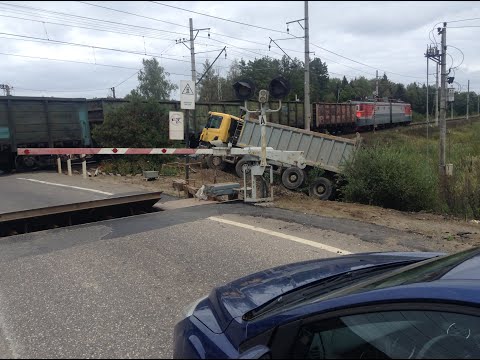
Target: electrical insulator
209,34
288,30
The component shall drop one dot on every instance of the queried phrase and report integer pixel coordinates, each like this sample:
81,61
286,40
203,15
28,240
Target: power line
462,27
80,17
130,13
58,42
452,21
283,32
70,61
218,18
59,91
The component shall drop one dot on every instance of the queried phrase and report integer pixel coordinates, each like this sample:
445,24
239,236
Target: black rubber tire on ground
215,162
321,188
293,178
238,167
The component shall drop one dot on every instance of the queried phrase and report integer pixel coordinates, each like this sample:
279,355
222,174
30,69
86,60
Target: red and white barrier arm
112,151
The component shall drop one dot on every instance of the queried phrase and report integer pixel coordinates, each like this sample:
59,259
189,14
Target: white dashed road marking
68,186
283,236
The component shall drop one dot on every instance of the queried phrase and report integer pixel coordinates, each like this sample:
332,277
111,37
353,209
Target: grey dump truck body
320,150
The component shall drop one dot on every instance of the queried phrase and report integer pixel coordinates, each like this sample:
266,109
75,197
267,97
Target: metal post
306,105
59,165
468,96
451,110
436,96
428,117
263,123
443,102
478,104
84,166
69,165
190,113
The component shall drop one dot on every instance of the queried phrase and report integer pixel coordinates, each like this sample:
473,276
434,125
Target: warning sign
263,119
176,125
187,94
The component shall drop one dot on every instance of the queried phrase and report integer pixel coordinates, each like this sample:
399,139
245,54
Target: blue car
374,305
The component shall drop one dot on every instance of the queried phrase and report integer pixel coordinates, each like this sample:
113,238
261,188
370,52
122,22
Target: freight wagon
40,122
360,115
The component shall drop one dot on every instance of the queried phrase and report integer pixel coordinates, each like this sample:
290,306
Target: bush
393,177
138,123
463,188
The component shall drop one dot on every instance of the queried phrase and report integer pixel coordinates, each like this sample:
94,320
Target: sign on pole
176,125
451,94
187,94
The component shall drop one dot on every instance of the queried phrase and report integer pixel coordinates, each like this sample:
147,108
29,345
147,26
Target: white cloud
388,36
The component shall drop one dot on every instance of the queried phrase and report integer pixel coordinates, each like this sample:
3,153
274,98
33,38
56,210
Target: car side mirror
256,352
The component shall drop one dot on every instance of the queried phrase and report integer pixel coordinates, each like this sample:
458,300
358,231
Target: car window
391,334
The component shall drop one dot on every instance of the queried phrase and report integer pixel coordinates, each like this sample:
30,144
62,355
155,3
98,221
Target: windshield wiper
320,287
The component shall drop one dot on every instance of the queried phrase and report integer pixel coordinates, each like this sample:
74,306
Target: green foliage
391,176
136,164
153,82
135,124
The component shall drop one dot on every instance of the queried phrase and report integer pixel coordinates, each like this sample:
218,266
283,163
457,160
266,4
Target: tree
318,80
138,123
153,81
209,87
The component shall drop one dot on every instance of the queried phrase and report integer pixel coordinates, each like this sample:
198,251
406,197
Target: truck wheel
239,166
321,188
216,162
293,178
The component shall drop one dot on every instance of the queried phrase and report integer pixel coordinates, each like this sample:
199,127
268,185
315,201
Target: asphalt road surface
116,288
26,191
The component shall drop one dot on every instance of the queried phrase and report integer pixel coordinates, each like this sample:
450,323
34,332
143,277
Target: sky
112,37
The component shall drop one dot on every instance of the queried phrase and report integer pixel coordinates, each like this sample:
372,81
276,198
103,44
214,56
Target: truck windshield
214,122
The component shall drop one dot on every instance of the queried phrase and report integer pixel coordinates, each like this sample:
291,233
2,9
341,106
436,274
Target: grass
399,169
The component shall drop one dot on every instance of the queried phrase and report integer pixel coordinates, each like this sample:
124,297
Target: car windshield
214,122
427,270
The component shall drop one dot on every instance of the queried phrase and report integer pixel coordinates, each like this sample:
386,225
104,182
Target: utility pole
443,103
113,92
190,113
436,97
478,104
428,115
308,115
468,96
376,84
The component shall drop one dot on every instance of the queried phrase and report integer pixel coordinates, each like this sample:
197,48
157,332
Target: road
116,288
41,189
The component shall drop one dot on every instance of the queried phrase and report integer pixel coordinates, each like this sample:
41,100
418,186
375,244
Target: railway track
457,119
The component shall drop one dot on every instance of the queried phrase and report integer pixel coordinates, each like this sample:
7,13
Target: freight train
40,122
358,116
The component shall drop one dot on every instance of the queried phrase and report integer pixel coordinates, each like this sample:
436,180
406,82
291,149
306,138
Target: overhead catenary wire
283,32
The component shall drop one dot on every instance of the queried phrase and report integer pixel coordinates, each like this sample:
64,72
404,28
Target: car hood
240,296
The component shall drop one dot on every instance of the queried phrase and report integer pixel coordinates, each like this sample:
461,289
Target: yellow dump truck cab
219,126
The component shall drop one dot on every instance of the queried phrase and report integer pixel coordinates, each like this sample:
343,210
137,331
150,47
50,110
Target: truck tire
293,178
321,188
215,162
238,167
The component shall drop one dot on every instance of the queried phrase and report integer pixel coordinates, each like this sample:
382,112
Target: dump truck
321,151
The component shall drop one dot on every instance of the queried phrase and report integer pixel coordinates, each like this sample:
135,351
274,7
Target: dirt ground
453,233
